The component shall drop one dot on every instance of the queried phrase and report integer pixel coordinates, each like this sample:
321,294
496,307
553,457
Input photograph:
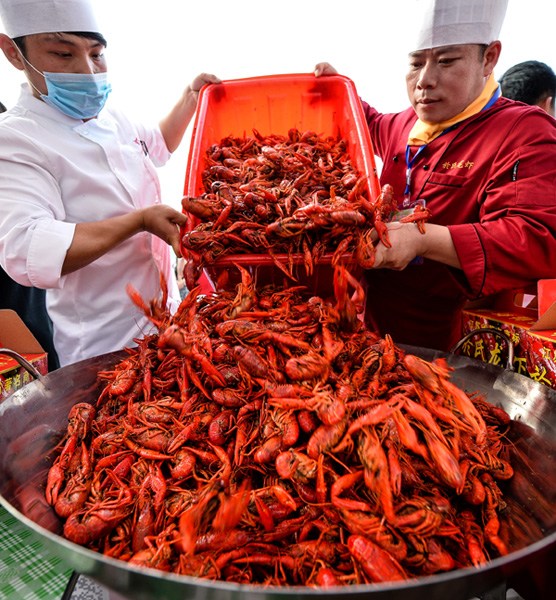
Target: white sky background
156,48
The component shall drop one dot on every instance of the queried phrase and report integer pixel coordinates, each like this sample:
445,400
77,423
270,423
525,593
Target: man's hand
408,243
164,222
405,247
202,80
95,239
324,68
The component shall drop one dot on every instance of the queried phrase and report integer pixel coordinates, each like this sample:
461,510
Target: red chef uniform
492,180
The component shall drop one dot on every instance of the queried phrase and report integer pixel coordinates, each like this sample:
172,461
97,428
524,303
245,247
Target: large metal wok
33,419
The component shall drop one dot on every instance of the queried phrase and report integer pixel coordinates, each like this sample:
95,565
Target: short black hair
530,82
20,41
2,108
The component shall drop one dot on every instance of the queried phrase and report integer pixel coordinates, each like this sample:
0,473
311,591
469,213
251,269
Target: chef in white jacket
81,213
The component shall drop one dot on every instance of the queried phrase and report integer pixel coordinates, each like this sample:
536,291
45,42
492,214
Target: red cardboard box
528,318
274,104
14,335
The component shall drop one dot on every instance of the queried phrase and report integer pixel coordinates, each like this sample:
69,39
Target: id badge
408,209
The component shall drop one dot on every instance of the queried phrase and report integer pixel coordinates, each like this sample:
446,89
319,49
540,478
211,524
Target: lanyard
409,162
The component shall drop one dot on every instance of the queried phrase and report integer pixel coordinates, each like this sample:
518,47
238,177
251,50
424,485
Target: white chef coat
56,171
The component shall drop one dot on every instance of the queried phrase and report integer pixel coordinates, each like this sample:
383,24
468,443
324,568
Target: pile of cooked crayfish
295,197
265,436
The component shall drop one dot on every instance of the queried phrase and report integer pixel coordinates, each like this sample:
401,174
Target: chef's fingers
324,68
202,80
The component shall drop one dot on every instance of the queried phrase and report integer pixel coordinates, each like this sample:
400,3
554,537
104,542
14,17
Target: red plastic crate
329,106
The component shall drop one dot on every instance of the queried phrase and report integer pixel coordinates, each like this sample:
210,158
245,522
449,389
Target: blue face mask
81,96
78,95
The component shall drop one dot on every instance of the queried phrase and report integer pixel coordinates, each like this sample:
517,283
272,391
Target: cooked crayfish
266,436
286,196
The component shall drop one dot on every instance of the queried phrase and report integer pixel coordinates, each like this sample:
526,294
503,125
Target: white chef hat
25,17
450,22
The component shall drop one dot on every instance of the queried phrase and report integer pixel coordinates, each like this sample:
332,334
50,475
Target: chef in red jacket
484,167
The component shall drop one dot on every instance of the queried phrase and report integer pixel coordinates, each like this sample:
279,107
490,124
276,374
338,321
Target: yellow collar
422,132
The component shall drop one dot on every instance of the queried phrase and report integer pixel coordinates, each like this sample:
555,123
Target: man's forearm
439,246
173,126
93,240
